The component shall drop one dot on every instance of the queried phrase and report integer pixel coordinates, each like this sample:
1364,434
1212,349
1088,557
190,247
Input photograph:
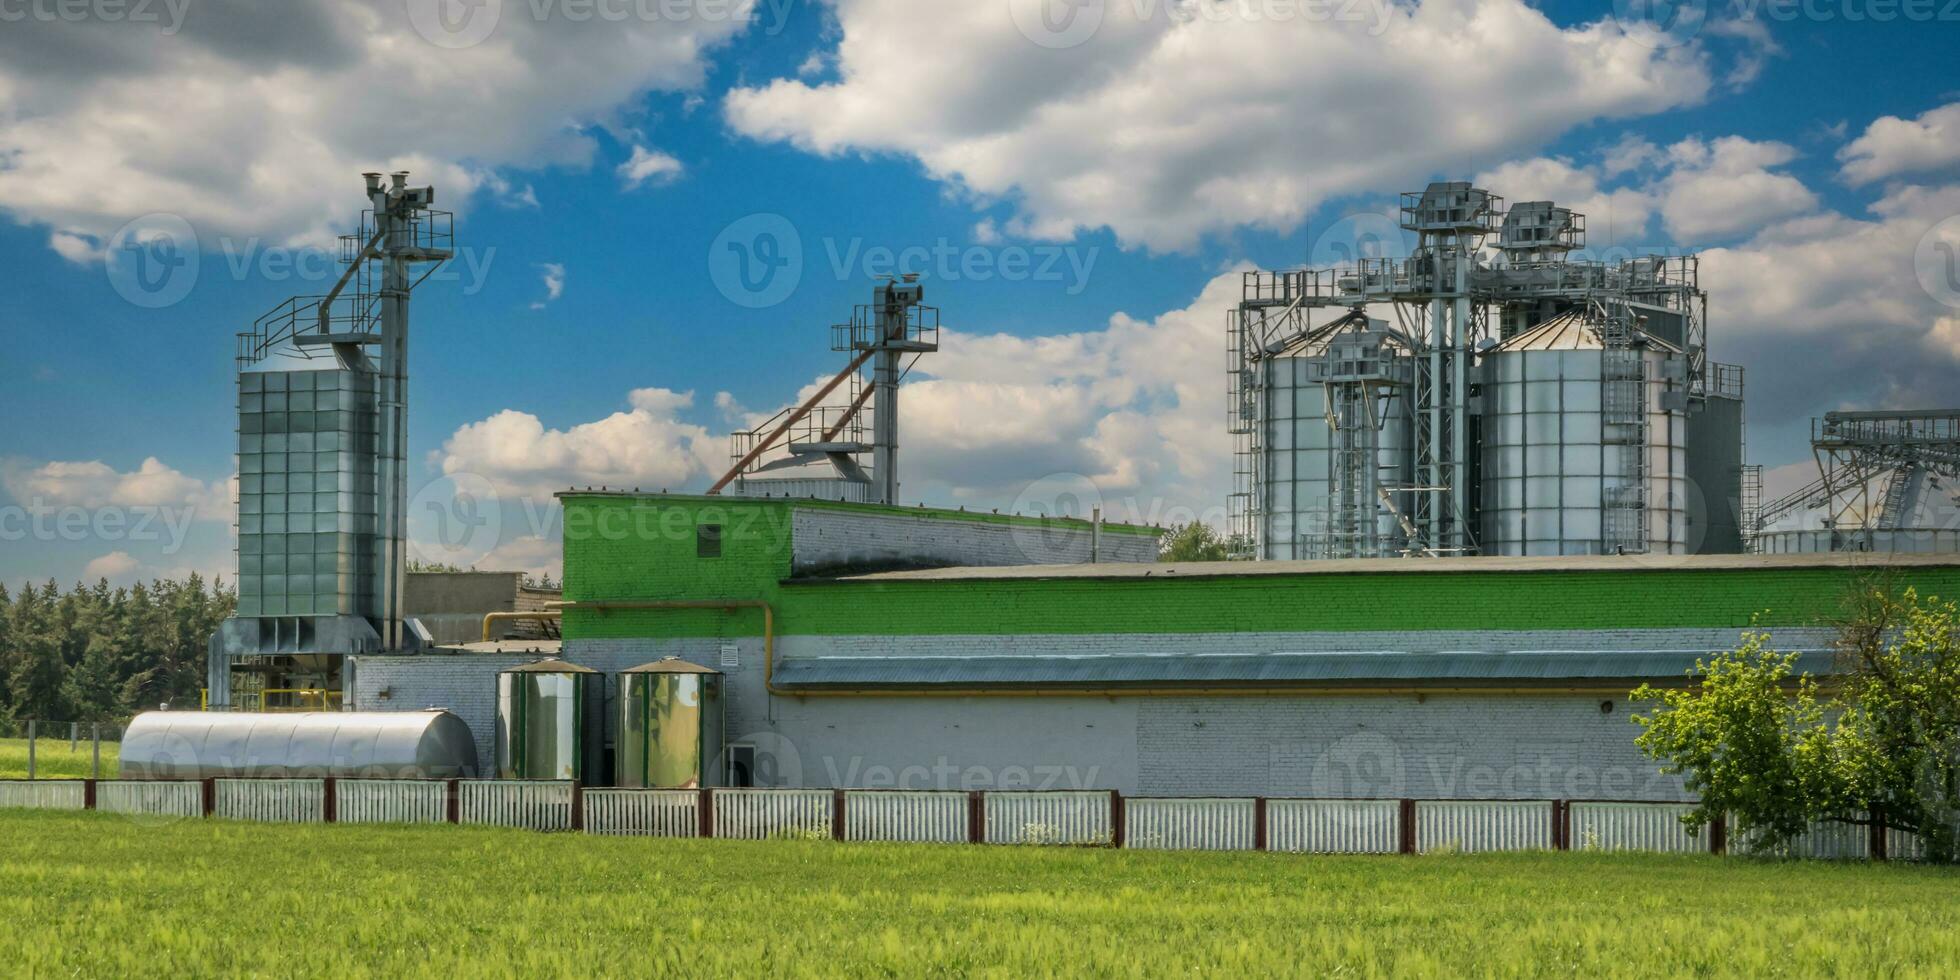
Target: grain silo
670,725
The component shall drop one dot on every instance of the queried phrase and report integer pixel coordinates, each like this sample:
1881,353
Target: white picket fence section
530,804
1065,817
44,794
390,801
1832,841
148,798
1334,826
917,816
1634,827
1483,825
272,800
643,812
759,814
1903,845
1191,824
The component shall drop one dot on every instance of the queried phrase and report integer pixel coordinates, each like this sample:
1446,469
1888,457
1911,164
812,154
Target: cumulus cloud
1724,188
254,119
1891,147
1619,215
1167,126
647,445
649,168
116,566
93,484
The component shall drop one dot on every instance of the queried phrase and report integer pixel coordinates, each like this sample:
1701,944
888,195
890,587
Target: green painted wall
644,548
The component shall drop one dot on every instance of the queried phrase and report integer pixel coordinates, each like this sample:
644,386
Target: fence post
976,817
837,815
95,739
210,796
88,794
1718,834
1561,830
1407,825
707,811
578,806
330,801
1116,821
1877,828
1258,823
455,814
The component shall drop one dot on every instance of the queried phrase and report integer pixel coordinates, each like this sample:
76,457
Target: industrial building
1474,528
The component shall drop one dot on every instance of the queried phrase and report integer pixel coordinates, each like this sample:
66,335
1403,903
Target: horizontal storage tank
551,722
351,744
670,724
1554,457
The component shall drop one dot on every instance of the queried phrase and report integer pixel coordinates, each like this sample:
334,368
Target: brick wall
827,539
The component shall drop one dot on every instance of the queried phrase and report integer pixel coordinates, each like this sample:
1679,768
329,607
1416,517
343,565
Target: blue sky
966,135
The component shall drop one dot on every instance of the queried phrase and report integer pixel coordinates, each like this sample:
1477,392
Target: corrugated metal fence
1079,818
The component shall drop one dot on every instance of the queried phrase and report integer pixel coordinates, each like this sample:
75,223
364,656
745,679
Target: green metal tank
670,725
551,722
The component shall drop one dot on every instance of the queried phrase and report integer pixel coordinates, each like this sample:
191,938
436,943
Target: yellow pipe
492,619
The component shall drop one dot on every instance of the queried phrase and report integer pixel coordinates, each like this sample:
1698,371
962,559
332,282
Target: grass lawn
95,894
52,760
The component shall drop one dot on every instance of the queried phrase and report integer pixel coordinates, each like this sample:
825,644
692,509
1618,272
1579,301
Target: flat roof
898,510
1410,566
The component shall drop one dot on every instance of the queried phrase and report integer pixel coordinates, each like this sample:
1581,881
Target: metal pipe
491,619
794,417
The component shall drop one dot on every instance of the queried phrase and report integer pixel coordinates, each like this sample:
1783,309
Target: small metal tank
356,744
670,724
551,722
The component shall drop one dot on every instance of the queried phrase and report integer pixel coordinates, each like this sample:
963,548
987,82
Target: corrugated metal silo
551,722
670,725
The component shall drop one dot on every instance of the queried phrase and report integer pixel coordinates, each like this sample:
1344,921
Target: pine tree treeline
102,654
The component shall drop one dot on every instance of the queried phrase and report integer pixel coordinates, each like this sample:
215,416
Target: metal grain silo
430,744
551,722
1583,443
670,724
1337,442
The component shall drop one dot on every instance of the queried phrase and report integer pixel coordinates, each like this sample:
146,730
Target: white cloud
255,120
1724,189
553,277
1891,147
116,566
1619,215
1166,128
79,249
645,446
532,554
93,484
649,168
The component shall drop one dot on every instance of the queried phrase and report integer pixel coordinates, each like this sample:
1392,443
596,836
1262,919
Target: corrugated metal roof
1375,668
670,665
549,665
1566,331
1413,566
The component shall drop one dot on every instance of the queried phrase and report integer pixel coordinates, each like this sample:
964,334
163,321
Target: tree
1760,745
1196,541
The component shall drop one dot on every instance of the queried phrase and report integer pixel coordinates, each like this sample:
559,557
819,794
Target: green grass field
94,895
52,760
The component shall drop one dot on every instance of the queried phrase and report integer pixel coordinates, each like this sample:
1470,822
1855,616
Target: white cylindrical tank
367,744
1552,459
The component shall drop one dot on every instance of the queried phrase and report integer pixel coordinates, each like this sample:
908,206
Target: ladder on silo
1623,417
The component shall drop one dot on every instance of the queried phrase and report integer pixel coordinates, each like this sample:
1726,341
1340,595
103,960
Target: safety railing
1069,818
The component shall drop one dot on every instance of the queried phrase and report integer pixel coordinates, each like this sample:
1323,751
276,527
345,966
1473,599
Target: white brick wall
824,538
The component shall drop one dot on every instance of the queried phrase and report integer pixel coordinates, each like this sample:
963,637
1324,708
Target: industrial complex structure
1489,487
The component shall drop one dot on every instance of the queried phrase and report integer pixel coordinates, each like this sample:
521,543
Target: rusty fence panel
1634,827
272,800
1334,826
643,812
530,804
1063,817
1189,824
1483,825
759,814
150,798
44,794
917,816
391,801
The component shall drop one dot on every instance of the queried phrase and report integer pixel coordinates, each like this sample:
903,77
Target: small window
707,541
